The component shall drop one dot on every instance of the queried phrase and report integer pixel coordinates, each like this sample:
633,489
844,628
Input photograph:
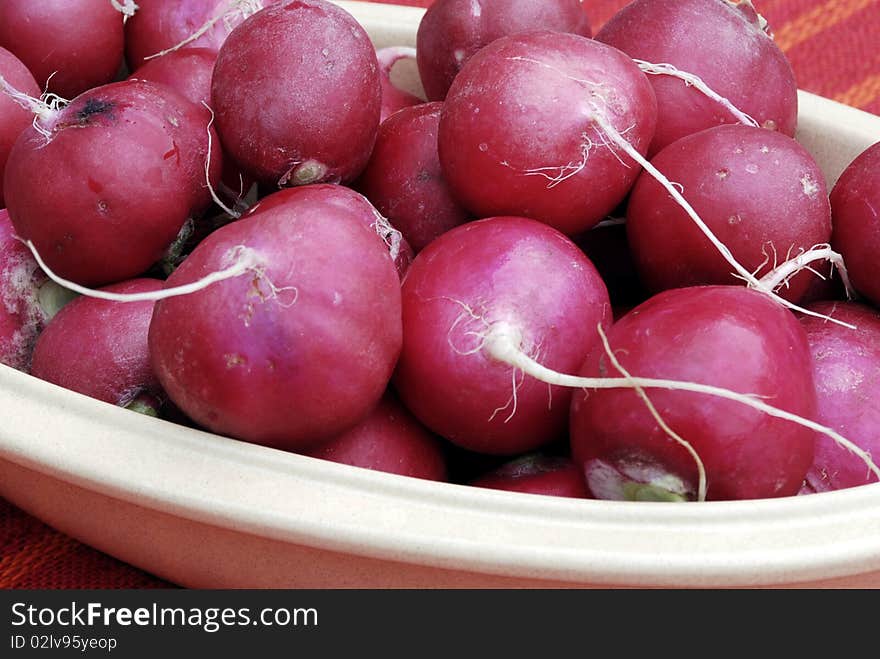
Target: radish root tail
502,343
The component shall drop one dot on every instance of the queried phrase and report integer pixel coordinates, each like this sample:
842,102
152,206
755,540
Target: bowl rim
203,477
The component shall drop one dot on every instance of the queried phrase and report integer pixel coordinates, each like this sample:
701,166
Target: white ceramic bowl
206,511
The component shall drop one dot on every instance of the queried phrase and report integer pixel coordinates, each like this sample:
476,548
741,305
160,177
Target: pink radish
99,348
69,45
13,117
726,44
390,439
300,345
451,31
309,116
126,166
759,192
846,367
855,203
529,127
506,271
404,180
724,336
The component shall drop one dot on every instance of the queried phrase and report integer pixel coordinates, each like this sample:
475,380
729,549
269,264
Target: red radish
309,116
404,179
855,203
759,192
537,474
99,348
390,439
846,368
451,31
126,167
27,299
344,201
506,271
13,117
394,98
297,349
725,336
529,128
71,45
725,43
161,25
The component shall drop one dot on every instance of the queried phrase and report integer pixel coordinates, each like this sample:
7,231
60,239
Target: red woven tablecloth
833,47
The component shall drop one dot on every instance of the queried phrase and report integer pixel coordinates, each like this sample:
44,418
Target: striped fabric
833,48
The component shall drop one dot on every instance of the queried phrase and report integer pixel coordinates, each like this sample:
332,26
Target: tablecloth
834,48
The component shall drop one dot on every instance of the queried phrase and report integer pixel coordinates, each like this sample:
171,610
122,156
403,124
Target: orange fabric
832,45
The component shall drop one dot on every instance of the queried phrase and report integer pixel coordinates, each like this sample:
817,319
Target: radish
68,45
404,180
529,127
855,203
759,192
537,474
846,368
451,31
394,98
725,336
499,272
309,116
13,117
161,26
390,439
126,166
28,299
296,342
726,44
99,348
344,201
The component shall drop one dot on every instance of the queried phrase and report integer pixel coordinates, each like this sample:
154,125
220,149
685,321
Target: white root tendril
697,83
701,468
391,236
45,109
242,260
781,274
232,212
232,13
128,8
502,342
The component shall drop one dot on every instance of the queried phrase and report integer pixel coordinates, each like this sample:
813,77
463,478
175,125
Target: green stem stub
305,173
635,480
145,404
648,492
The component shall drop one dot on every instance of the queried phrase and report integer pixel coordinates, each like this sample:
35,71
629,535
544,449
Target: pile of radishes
588,266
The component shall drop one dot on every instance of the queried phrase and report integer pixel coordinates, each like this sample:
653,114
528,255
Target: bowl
207,511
